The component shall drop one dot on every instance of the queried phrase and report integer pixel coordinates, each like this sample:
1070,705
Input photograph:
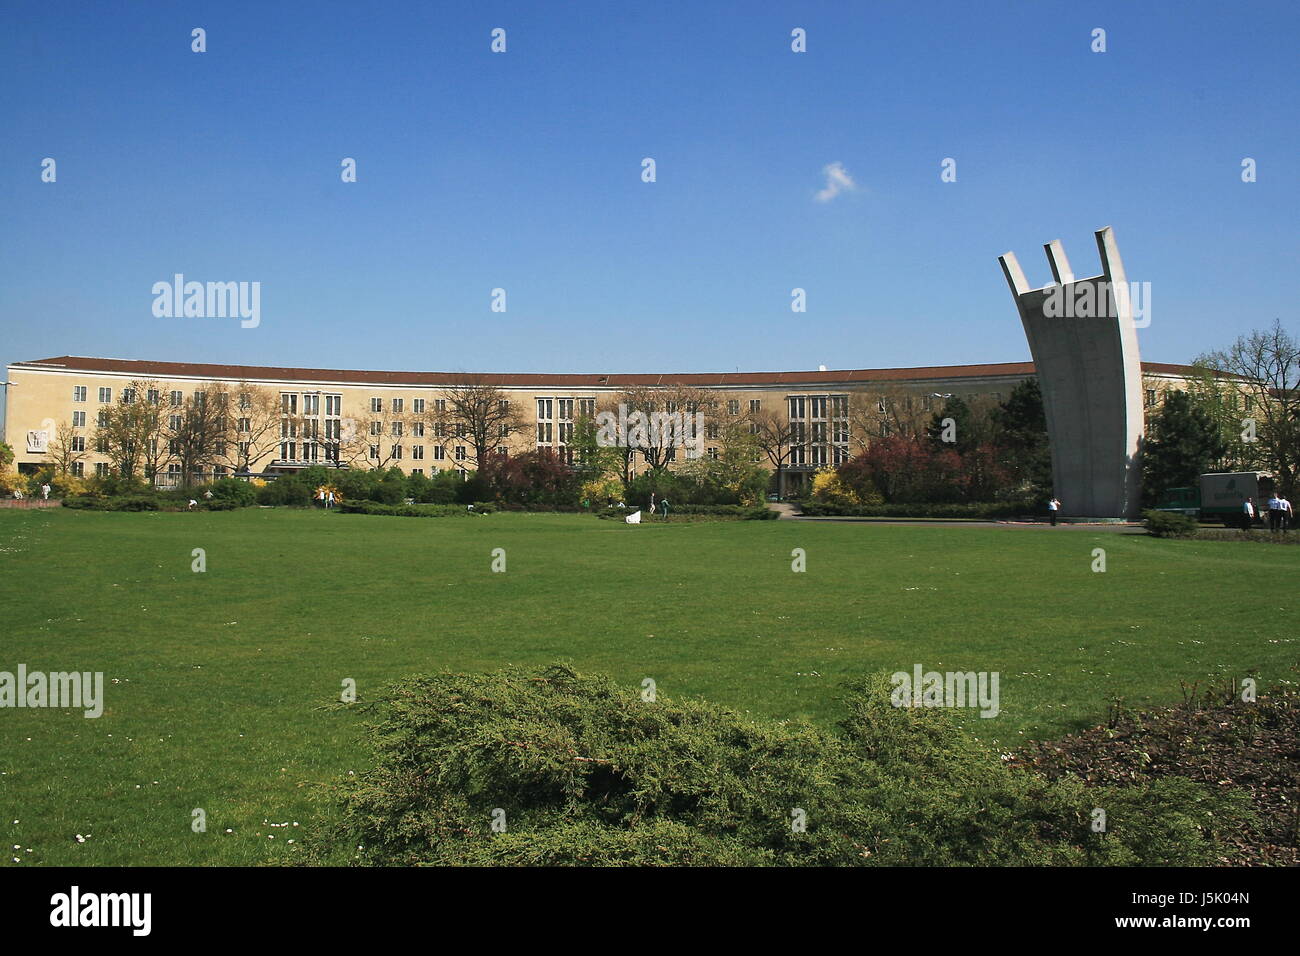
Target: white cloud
838,181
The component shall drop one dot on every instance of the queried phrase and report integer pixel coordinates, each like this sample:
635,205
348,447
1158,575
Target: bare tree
1263,368
67,449
256,424
478,415
660,405
199,431
777,437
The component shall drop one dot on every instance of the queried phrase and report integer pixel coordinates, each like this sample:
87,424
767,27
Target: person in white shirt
1275,512
45,492
1053,508
1287,514
1248,510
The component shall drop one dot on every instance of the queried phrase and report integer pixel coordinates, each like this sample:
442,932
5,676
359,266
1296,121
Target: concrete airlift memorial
1084,343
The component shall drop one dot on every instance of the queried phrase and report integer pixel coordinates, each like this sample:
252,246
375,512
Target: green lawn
223,687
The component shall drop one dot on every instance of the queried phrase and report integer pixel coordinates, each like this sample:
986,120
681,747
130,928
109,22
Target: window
101,469
334,405
417,406
1151,397
439,430
78,443
105,395
397,453
153,396
397,406
566,431
543,433
417,452
376,428
566,408
733,407
797,406
439,453
439,404
78,393
102,419
839,406
376,404
288,404
417,471
712,431
713,453
818,406
128,396
503,430
503,406
176,398
78,468
819,432
501,451
587,407
755,405
245,449
395,429
311,404
374,452
245,425
460,452
78,419
174,422
417,429
543,409
841,455
101,445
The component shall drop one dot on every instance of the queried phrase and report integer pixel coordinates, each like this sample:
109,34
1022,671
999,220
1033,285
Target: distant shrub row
989,511
413,511
734,512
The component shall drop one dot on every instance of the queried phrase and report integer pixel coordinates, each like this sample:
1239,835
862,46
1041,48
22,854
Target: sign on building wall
38,442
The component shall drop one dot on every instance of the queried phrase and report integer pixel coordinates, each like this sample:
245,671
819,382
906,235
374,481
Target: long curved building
829,415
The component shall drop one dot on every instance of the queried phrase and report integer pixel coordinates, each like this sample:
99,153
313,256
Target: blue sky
522,171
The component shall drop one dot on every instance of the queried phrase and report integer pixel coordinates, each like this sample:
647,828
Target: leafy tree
1021,438
1183,441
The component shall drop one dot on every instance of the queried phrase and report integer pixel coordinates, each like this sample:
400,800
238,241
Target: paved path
788,512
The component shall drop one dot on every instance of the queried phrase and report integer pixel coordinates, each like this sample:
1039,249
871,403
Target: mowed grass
222,688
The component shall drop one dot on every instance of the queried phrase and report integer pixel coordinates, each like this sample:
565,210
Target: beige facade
830,411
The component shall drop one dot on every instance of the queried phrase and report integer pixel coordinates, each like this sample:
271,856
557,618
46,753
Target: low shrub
1170,524
588,773
232,489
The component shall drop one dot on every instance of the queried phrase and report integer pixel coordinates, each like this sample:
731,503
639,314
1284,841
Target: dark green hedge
989,511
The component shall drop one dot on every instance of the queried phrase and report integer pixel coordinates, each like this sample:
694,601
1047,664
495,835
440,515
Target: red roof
199,370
